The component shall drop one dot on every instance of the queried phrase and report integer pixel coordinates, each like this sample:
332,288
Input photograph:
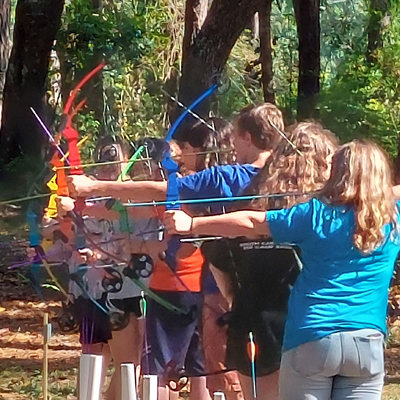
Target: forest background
336,61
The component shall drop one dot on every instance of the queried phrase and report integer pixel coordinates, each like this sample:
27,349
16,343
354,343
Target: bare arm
83,186
238,223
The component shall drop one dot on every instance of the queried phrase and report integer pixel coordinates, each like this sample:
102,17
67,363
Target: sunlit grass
391,392
16,383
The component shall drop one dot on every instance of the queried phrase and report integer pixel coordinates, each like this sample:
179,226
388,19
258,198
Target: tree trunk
377,10
308,30
195,14
5,44
207,56
36,25
264,12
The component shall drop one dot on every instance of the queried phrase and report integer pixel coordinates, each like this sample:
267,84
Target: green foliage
141,45
142,41
285,55
363,99
113,31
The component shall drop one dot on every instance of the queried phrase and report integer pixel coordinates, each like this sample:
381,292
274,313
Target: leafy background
142,42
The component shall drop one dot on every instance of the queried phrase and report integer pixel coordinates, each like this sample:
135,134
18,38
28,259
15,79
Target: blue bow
172,169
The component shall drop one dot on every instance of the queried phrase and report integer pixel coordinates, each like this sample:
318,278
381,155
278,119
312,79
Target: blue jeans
344,365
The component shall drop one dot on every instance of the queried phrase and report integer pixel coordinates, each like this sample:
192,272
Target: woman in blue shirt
348,236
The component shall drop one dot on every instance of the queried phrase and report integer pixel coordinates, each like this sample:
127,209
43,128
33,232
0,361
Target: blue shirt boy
220,181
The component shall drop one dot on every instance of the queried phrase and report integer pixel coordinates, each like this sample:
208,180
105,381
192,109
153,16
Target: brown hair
361,178
298,164
259,121
215,141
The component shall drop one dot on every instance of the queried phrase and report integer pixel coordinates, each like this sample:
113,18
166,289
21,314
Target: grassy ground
21,316
391,392
21,355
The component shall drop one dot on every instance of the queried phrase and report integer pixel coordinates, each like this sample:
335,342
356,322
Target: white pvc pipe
128,382
96,370
84,368
150,387
90,377
219,396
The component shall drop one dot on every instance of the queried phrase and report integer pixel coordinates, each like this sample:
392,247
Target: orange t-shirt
188,269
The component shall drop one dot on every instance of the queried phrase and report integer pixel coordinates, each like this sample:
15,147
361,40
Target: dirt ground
21,341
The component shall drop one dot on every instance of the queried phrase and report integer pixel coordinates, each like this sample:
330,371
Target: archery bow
172,169
72,138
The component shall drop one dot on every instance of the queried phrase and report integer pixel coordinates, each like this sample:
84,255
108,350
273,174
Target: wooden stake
46,339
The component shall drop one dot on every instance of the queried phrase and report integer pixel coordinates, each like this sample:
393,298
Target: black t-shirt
262,273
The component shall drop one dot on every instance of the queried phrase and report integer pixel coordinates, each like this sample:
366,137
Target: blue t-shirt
220,181
339,288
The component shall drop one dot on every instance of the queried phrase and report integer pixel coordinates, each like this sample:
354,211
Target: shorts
173,344
94,326
129,305
267,327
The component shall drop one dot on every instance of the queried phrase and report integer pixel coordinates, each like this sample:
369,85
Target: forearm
130,190
239,223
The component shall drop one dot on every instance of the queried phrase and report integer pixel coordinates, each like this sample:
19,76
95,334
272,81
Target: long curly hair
361,178
300,164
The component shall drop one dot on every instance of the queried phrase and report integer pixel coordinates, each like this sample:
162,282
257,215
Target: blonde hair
299,164
361,178
262,123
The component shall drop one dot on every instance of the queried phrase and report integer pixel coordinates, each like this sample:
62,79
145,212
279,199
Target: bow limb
116,205
80,241
72,137
79,86
172,169
34,241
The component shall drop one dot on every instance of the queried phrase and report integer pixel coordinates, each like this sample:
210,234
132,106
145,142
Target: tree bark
264,12
377,10
36,25
207,56
308,30
5,43
195,14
